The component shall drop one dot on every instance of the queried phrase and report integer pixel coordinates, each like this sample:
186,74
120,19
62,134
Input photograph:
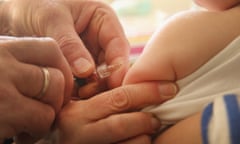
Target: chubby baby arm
183,44
187,131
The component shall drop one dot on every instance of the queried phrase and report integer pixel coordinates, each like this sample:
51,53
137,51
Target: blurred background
140,18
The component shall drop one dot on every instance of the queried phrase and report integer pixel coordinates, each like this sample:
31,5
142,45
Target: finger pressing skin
107,45
119,127
43,52
142,139
128,98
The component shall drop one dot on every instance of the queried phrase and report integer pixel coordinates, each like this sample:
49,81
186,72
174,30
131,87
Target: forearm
187,131
4,17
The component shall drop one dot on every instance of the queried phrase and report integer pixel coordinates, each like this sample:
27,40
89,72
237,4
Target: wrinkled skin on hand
21,77
112,116
85,30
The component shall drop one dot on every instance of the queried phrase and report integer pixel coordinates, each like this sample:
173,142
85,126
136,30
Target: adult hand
88,32
22,80
112,116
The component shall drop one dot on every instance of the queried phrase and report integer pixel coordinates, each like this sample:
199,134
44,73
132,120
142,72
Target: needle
102,72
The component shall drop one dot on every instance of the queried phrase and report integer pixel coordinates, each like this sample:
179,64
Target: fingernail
81,65
167,89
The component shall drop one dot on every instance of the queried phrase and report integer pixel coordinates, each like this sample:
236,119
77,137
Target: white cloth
221,121
219,76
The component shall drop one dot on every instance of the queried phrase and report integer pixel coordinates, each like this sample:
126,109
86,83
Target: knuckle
52,49
97,4
117,126
120,99
58,82
59,77
52,45
50,41
145,121
27,76
103,13
67,43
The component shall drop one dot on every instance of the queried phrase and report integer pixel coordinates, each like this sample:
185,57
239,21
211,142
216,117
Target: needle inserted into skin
102,72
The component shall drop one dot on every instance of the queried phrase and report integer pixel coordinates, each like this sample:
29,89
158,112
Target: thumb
76,53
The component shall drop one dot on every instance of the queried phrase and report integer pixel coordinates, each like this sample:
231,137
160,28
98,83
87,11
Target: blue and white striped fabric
221,121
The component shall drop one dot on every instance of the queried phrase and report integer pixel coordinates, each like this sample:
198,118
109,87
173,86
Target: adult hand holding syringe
95,83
